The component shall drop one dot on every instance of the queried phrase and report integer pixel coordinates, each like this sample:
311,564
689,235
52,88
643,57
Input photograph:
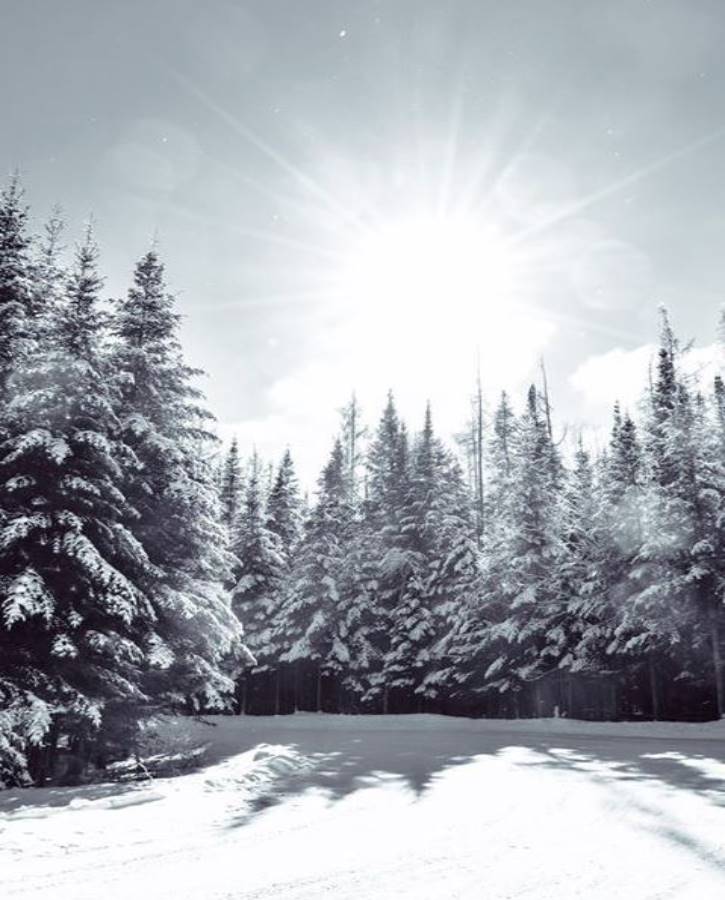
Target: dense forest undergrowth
508,575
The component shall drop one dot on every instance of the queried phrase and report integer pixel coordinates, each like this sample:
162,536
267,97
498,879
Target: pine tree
316,617
657,614
15,286
353,436
469,645
48,277
261,569
385,458
77,624
582,633
405,568
171,483
284,507
231,487
523,565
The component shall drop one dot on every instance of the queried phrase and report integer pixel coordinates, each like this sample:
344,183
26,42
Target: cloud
623,375
617,374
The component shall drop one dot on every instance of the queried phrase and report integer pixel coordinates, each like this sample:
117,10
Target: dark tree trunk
717,664
653,687
277,690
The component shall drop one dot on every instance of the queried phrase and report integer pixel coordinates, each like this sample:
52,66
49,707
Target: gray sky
285,150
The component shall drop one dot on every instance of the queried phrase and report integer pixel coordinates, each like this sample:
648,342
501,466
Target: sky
373,194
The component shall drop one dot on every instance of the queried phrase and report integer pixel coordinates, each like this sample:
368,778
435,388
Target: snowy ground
413,807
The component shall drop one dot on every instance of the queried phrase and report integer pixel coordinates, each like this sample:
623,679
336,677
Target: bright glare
427,299
426,266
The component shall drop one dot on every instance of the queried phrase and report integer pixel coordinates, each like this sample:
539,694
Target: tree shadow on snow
347,760
674,764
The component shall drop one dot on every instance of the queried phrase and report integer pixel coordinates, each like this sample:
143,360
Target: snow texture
419,807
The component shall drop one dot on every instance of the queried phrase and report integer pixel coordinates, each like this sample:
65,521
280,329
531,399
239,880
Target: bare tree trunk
277,690
717,664
318,702
547,405
614,699
353,447
654,691
479,457
244,694
385,700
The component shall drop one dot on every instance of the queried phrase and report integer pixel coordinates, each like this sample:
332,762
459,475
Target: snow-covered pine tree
451,530
388,466
284,519
605,533
261,570
405,569
48,276
231,485
585,625
15,284
316,629
471,645
523,565
656,622
353,436
76,622
170,480
284,507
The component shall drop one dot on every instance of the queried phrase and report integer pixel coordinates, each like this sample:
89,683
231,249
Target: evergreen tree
581,633
48,277
231,487
15,285
261,566
354,433
284,507
523,568
77,623
171,483
317,630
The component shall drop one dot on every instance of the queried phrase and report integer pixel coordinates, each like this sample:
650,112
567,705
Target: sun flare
428,265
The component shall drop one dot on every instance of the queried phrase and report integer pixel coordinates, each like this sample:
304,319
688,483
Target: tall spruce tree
259,552
77,623
231,485
15,284
317,627
284,507
523,569
171,483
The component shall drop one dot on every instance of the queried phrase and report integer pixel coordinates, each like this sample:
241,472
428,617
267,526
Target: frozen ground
412,807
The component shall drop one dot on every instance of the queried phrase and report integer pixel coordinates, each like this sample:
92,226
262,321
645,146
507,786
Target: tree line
513,579
506,576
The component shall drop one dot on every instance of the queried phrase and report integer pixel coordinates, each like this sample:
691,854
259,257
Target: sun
429,266
422,299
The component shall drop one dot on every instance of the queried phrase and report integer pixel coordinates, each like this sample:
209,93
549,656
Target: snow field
419,807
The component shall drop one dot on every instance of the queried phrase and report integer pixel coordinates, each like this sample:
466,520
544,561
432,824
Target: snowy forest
504,575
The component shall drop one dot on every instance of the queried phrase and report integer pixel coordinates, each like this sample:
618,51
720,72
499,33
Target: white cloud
617,374
623,375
